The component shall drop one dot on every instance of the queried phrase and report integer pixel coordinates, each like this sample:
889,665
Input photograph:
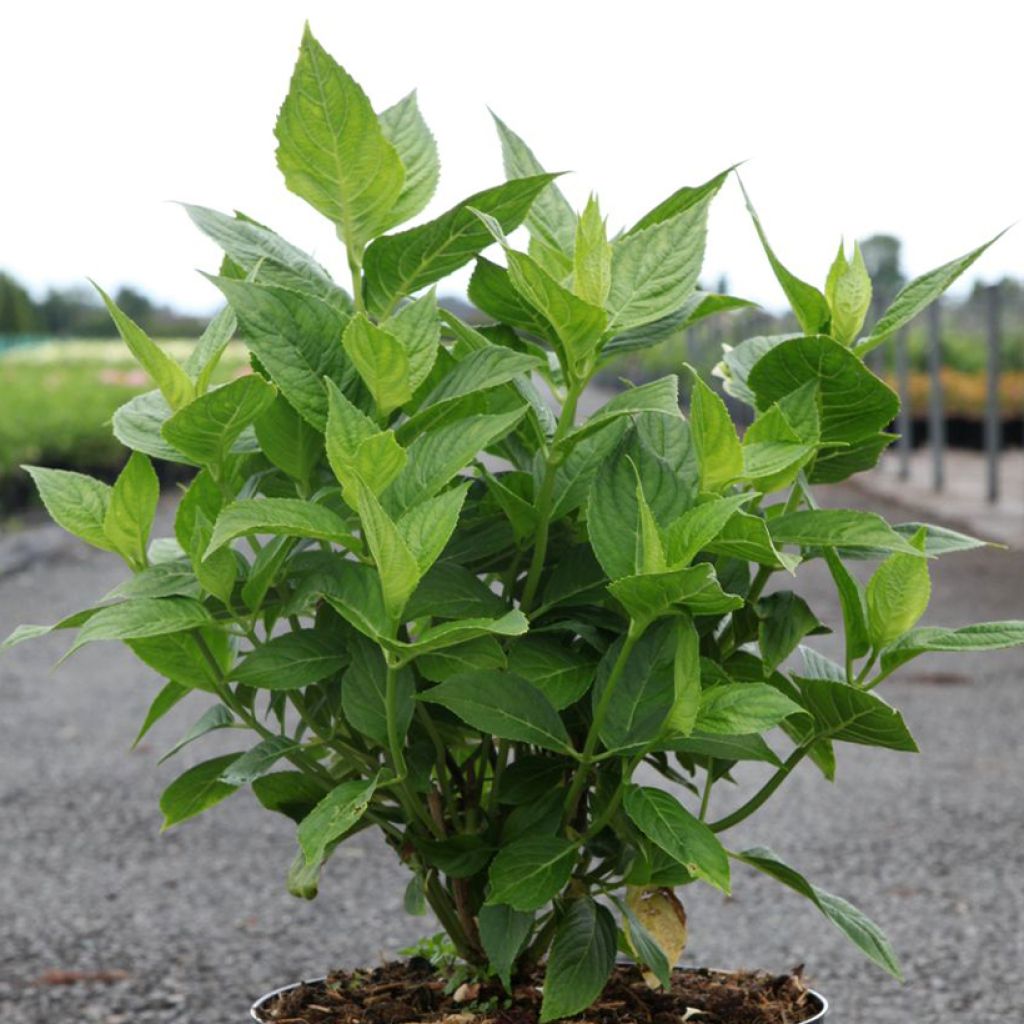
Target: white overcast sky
903,117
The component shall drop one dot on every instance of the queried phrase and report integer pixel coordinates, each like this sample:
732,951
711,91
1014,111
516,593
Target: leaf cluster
431,597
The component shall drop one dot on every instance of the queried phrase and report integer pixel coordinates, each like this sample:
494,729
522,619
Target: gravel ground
194,924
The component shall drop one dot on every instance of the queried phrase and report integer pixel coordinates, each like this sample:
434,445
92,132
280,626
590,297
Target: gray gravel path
199,923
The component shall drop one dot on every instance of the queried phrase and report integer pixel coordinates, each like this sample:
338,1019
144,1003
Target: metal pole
993,418
904,421
936,413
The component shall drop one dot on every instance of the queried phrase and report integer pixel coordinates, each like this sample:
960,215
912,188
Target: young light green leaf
129,517
290,661
174,383
808,304
848,919
401,264
381,361
739,709
291,517
418,331
427,527
835,527
916,296
686,697
697,527
142,617
333,816
332,151
714,436
668,824
655,270
170,695
504,704
207,427
592,256
581,961
897,596
848,293
76,503
527,873
196,791
403,126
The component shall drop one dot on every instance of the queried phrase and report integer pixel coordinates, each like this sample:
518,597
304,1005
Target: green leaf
296,338
480,370
563,674
504,704
403,126
940,540
293,794
258,761
835,527
491,290
855,405
808,304
847,918
916,296
333,816
852,603
664,821
382,362
450,591
138,424
353,590
530,871
845,713
725,748
784,620
592,256
76,503
290,661
503,930
550,218
167,698
400,264
984,636
195,791
897,596
132,508
657,396
332,151
698,527
217,717
174,383
746,537
686,698
427,527
655,269
448,634
437,455
363,692
291,517
142,617
418,330
179,657
206,428
714,436
276,262
848,293
681,200
581,961
288,441
649,595
738,709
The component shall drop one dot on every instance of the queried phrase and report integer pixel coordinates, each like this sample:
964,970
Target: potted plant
452,607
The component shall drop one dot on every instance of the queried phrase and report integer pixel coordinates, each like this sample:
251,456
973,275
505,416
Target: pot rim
264,999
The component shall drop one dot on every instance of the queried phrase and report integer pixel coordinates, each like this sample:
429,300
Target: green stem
755,802
391,716
579,779
545,498
866,670
705,799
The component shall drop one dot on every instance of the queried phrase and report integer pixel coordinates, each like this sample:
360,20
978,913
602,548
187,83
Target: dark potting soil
412,992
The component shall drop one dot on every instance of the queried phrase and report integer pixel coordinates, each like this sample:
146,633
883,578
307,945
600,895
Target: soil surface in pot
412,992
